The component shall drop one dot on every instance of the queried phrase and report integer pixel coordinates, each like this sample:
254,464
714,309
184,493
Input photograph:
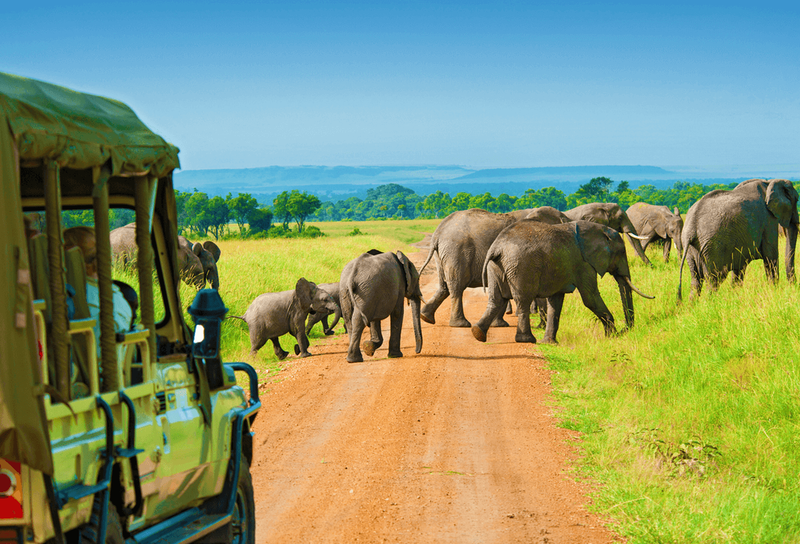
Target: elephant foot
282,355
357,358
303,354
460,322
547,340
500,322
395,354
479,334
427,318
329,332
368,348
296,349
524,338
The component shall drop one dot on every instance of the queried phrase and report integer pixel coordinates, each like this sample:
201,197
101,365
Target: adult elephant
611,215
531,259
654,223
459,245
373,287
725,230
197,263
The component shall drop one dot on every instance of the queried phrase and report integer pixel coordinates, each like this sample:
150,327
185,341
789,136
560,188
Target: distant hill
340,182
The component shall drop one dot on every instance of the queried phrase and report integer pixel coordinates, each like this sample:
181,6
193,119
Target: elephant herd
533,256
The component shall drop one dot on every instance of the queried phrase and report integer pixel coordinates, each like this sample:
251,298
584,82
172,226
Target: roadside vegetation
690,421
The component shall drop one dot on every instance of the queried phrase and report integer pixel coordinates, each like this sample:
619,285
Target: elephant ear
197,248
676,211
304,291
212,248
781,201
660,227
593,241
411,283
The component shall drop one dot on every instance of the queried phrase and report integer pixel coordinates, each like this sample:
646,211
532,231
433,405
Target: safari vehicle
146,439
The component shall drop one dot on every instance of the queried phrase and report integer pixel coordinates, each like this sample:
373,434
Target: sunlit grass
691,418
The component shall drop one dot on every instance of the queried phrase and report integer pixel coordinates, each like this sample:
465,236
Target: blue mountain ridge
341,182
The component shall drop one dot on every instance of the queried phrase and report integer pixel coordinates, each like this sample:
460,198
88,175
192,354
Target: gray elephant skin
271,315
726,230
657,224
373,287
333,290
610,215
197,263
459,245
531,260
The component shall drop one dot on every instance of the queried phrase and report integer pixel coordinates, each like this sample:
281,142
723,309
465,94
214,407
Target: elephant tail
680,274
491,255
237,317
434,247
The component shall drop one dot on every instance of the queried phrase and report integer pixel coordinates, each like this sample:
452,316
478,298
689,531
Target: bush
355,232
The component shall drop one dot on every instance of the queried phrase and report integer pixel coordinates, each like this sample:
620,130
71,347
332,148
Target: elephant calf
333,290
373,287
272,315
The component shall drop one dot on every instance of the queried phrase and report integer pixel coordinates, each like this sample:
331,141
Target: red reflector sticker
10,490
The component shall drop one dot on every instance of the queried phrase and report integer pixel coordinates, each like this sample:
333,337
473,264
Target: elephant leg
509,308
327,331
427,314
395,329
376,338
540,308
524,333
554,305
591,298
457,318
667,248
276,346
355,330
494,309
696,274
301,348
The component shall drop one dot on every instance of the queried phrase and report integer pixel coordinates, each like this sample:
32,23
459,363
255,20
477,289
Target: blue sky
478,84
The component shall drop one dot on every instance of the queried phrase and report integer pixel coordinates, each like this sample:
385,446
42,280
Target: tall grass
690,419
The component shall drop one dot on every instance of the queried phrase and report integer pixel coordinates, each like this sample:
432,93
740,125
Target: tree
218,215
196,213
300,206
280,208
240,208
597,190
259,220
550,196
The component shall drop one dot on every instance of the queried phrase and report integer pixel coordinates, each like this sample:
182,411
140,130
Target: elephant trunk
630,230
337,314
791,243
415,308
626,294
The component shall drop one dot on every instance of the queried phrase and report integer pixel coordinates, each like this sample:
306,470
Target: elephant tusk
636,236
632,286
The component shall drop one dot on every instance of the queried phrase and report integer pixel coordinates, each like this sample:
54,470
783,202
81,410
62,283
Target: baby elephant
333,290
373,287
272,315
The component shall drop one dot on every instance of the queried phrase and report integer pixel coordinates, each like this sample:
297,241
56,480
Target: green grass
690,419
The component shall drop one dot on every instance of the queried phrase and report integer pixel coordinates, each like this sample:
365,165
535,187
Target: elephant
725,230
271,315
610,215
333,290
459,244
531,260
657,223
372,288
548,214
197,263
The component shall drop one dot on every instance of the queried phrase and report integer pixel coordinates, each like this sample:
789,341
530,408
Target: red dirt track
454,445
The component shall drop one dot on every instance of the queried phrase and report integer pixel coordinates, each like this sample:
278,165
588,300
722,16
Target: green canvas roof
79,130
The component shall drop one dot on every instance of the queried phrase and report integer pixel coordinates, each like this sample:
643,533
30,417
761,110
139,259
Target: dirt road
456,444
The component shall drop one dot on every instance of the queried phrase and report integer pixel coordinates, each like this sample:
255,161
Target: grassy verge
690,419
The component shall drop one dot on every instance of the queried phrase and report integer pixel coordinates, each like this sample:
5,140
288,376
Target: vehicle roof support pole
55,257
102,230
145,201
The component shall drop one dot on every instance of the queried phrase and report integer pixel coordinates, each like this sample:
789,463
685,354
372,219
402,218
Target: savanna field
689,421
